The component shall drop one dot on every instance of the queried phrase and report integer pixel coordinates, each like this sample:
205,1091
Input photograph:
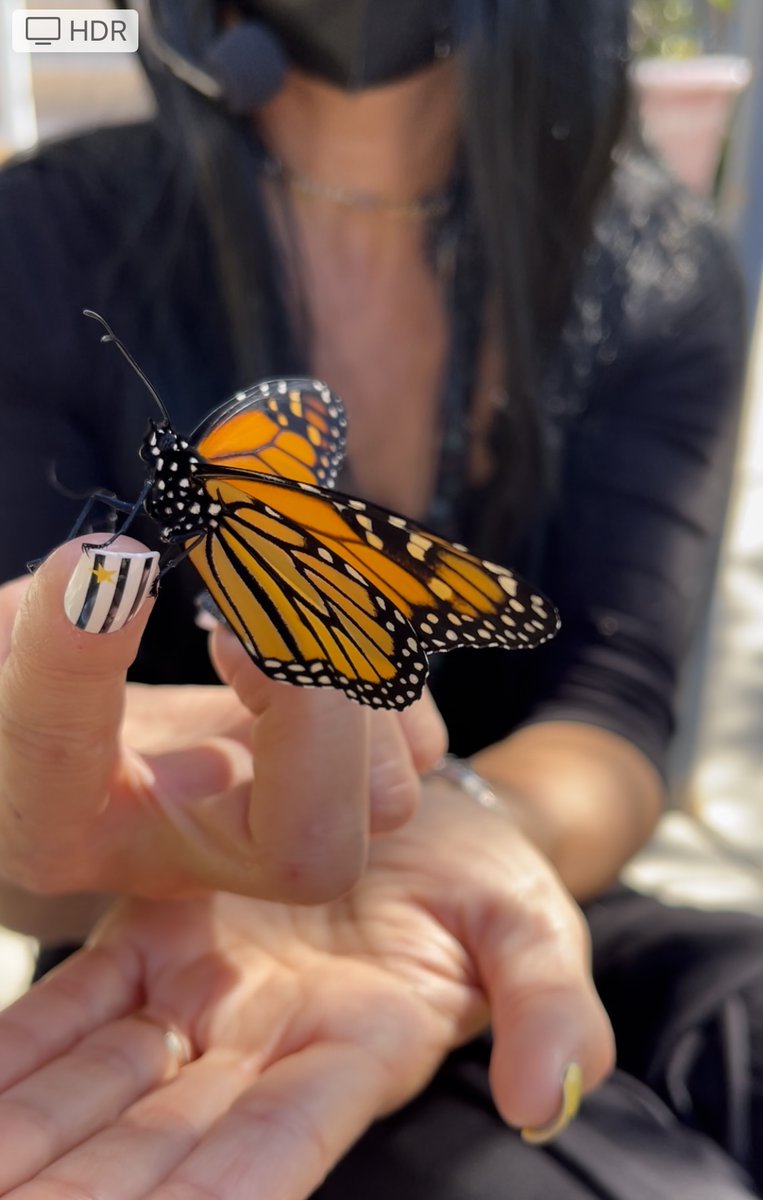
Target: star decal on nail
102,575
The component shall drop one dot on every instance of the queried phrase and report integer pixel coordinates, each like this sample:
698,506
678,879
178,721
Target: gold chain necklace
428,208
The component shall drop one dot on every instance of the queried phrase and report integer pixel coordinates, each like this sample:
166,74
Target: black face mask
357,43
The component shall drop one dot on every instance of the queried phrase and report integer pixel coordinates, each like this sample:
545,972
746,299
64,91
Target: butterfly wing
329,591
301,617
290,427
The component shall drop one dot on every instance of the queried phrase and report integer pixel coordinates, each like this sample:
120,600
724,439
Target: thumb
552,1040
62,684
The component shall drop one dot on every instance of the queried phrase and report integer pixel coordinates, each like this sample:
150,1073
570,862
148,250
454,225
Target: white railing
18,121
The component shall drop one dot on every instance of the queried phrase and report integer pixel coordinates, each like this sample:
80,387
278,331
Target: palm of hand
377,974
305,1024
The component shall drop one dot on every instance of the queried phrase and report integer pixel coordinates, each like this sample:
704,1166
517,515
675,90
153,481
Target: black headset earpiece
249,63
242,68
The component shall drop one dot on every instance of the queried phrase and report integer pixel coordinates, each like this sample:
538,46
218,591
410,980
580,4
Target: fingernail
108,587
572,1088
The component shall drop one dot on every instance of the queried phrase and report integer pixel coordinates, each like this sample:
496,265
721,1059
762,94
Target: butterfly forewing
461,600
293,428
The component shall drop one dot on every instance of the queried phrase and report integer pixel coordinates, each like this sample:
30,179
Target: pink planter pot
686,108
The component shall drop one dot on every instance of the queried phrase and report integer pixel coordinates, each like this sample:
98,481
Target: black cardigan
639,409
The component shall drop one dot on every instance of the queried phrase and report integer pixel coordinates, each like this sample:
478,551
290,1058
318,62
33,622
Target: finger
62,692
287,1131
308,817
70,1098
425,731
202,772
545,1012
394,783
173,718
90,988
151,1138
11,595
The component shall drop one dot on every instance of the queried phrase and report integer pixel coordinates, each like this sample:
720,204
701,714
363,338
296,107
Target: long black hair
544,101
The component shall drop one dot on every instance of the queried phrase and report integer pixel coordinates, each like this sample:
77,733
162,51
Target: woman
417,241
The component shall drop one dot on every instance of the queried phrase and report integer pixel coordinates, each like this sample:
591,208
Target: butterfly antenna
110,336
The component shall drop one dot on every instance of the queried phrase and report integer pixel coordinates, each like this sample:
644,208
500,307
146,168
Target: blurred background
698,80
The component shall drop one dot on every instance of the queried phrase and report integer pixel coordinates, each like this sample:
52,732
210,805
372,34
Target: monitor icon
43,30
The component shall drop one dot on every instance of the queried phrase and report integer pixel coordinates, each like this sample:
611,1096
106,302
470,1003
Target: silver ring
462,775
176,1043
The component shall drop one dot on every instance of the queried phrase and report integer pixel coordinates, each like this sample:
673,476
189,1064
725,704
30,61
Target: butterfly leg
180,552
172,558
116,505
107,498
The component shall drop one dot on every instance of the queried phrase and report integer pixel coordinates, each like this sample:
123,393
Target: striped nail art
108,587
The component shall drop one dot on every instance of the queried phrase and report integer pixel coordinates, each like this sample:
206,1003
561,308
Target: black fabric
50,957
684,990
639,409
451,1144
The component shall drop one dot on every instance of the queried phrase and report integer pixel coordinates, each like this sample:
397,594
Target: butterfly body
322,589
179,500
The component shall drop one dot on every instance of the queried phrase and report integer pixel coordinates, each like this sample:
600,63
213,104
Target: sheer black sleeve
644,469
641,414
47,396
102,221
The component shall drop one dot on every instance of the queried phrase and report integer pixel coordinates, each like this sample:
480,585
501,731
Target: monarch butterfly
322,589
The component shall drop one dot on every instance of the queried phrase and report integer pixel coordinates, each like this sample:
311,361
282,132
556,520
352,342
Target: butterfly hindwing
293,428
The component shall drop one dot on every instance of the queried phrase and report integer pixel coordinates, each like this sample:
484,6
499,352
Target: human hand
151,791
301,1025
